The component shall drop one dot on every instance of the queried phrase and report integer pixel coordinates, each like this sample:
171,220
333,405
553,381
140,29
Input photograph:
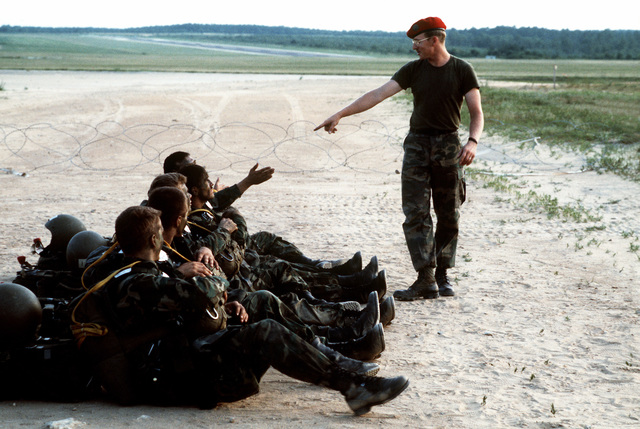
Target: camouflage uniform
157,349
263,243
266,272
268,243
430,169
223,198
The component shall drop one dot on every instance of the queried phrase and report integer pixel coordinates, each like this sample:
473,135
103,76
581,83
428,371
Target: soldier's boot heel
366,348
425,287
347,364
366,392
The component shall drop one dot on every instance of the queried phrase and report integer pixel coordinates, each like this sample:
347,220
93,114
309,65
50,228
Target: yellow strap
199,226
176,252
82,330
104,255
201,210
195,224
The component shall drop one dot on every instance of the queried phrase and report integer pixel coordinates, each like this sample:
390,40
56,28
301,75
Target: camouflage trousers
322,284
281,277
306,320
231,363
268,243
430,171
227,365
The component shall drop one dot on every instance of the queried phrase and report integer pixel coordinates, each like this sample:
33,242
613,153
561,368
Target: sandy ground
543,332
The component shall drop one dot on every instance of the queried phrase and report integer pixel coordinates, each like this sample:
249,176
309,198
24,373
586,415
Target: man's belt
430,131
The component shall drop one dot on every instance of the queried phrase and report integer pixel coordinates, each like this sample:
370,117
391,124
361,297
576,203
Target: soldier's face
424,46
206,189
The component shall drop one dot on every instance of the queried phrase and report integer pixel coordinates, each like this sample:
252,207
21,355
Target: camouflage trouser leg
276,276
279,277
267,243
263,305
332,314
323,285
247,352
430,169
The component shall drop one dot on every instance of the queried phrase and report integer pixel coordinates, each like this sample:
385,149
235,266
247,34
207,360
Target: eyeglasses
417,42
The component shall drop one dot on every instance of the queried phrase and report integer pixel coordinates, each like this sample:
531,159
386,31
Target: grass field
592,106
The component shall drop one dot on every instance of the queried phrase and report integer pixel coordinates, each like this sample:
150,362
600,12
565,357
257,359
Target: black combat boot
425,287
444,286
362,392
348,364
367,347
347,266
368,318
361,293
362,277
387,310
344,266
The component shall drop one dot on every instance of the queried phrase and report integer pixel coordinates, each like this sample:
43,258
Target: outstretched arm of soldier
365,102
255,177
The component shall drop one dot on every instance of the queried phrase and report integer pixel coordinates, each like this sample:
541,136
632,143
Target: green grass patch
535,202
564,72
598,120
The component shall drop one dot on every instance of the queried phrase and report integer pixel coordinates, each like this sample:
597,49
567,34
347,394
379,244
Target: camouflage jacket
205,222
144,295
223,199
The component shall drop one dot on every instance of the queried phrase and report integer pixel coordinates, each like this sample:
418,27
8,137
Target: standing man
433,153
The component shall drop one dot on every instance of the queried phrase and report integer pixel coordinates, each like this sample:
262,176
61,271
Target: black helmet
20,315
63,227
81,245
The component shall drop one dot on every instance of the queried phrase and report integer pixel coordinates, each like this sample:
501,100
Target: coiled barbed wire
112,147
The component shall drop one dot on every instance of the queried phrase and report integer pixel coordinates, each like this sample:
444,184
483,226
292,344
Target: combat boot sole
374,391
414,294
387,311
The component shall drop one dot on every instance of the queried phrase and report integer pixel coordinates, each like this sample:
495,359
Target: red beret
431,23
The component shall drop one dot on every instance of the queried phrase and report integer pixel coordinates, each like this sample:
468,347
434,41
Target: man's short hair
134,228
440,34
195,174
175,161
174,179
170,201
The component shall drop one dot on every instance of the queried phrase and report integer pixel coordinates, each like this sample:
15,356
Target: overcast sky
347,15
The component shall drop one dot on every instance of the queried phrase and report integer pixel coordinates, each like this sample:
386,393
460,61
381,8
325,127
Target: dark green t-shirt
438,92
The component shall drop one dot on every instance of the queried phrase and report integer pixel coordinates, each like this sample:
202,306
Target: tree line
500,42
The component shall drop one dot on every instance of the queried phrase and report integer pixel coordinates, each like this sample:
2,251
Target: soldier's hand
236,309
329,124
467,153
256,176
194,269
219,186
228,224
205,255
215,265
